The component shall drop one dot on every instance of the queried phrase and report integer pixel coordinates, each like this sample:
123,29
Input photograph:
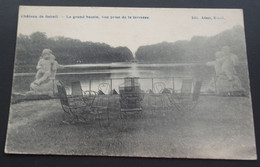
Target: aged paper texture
137,82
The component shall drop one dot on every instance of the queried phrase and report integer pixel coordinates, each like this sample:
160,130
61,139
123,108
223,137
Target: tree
66,50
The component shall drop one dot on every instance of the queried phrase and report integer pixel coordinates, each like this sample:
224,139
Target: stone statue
44,83
227,81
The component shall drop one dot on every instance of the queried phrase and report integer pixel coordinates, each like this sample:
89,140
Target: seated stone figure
45,77
227,81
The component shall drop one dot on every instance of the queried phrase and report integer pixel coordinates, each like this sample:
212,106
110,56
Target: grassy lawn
219,127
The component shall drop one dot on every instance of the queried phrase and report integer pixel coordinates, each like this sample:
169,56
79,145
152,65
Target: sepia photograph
131,82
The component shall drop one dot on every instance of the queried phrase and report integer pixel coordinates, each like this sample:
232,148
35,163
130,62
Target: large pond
92,76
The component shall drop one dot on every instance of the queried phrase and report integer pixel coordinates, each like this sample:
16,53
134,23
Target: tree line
66,50
198,49
74,51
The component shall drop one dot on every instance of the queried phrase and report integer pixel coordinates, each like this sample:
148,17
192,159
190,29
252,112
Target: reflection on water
91,76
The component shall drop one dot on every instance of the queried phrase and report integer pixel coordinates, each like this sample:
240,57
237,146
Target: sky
118,27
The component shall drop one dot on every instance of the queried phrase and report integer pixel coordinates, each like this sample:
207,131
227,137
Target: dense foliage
198,49
66,50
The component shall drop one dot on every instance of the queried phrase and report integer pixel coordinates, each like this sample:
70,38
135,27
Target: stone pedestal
47,88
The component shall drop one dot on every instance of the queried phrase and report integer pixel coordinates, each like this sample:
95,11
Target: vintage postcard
135,82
